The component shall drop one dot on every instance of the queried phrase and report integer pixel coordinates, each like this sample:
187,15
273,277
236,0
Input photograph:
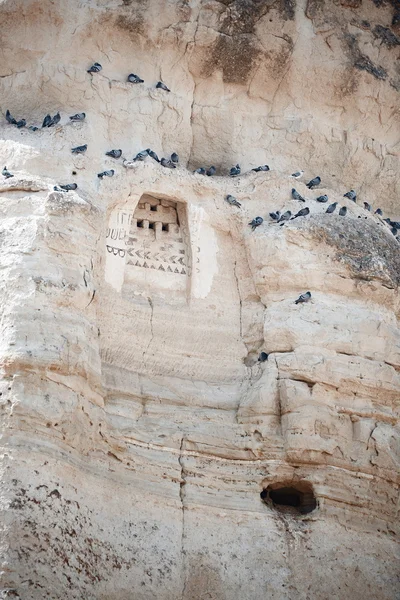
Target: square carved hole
165,227
151,225
153,208
140,223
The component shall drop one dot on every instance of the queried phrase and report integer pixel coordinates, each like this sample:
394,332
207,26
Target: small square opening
140,223
153,208
165,227
151,225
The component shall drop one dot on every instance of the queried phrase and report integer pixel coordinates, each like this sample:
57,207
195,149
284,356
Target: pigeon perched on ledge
298,174
6,173
343,211
262,168
21,123
160,85
331,208
379,212
296,195
200,171
285,217
132,78
109,173
275,215
78,117
95,68
263,356
141,155
256,222
175,158
351,195
211,171
68,187
79,149
302,213
168,164
303,298
235,171
232,201
367,206
152,155
114,153
10,118
322,199
314,182
54,120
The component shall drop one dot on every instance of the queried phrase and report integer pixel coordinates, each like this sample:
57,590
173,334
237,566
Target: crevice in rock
151,327
182,494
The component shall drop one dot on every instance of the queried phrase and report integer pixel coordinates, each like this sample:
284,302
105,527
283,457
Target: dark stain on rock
361,61
234,57
351,3
132,18
386,35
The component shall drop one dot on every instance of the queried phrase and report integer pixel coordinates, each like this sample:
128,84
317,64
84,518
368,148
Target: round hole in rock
290,498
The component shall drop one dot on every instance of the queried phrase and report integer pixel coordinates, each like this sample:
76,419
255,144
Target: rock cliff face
145,451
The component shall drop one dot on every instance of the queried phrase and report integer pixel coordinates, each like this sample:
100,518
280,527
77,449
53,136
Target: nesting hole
153,208
290,498
165,227
140,223
151,225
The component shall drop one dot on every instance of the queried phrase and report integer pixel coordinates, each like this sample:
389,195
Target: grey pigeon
56,188
69,186
298,174
95,68
367,206
351,195
21,123
175,158
322,199
78,117
33,128
387,220
263,356
314,182
132,78
303,298
152,154
296,195
79,149
275,215
395,224
56,119
109,173
232,201
235,171
46,121
160,85
6,173
302,213
379,212
10,118
343,211
285,217
394,230
114,153
167,163
331,208
211,171
256,222
141,155
262,168
200,171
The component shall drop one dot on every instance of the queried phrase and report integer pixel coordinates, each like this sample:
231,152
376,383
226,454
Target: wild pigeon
275,215
200,171
109,173
314,182
343,211
114,153
393,230
303,298
302,213
262,168
79,149
167,163
132,78
6,173
256,222
322,199
160,85
141,155
46,121
331,208
175,158
285,217
78,117
351,195
10,118
33,128
56,119
232,201
95,68
21,123
263,356
379,212
235,171
69,186
211,171
296,195
56,188
298,174
395,224
367,206
153,155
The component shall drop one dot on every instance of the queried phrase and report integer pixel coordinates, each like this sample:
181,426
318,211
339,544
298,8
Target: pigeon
46,121
200,171
141,155
275,215
323,198
263,357
262,168
235,171
95,68
69,186
379,212
343,211
232,201
351,195
114,153
256,222
211,171
395,224
302,213
153,155
78,117
367,206
132,78
10,118
21,123
160,85
387,220
331,208
285,217
109,173
296,195
175,158
56,119
303,298
167,163
56,188
393,230
298,174
6,173
79,149
33,128
314,182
